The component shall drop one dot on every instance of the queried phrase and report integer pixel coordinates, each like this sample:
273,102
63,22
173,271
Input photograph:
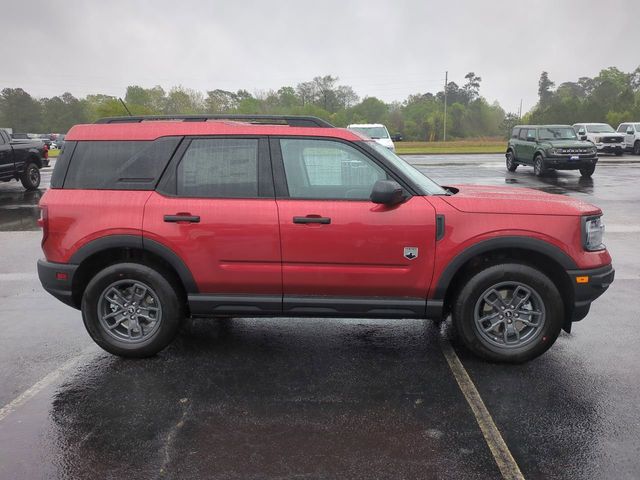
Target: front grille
611,139
575,150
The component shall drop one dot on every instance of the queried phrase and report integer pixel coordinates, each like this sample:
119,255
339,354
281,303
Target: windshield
427,186
372,132
600,128
556,133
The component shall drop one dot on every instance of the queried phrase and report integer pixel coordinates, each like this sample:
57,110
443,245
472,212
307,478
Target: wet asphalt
320,398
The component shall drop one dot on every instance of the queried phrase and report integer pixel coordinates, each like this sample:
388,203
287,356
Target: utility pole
520,111
446,77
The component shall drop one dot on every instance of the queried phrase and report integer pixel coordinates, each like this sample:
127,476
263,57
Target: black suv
550,147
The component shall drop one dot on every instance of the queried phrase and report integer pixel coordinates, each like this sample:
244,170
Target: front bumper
57,279
564,162
610,147
585,292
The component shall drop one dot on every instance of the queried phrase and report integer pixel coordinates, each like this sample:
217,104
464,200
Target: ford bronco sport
153,219
550,147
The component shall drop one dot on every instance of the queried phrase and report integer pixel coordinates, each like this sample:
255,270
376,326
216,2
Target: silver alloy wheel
129,311
34,175
510,161
509,315
537,166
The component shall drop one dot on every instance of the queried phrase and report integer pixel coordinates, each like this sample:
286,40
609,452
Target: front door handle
312,219
182,217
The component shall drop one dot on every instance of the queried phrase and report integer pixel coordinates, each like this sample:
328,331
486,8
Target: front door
216,210
341,253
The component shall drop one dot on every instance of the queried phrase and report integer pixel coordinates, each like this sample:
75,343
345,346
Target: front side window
622,128
325,169
531,134
219,168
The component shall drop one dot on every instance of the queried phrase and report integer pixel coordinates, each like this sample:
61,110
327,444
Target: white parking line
45,382
505,461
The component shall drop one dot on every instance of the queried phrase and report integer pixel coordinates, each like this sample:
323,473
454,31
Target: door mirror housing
581,131
630,131
583,137
397,138
387,192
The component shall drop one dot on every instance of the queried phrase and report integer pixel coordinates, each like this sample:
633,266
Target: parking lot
322,398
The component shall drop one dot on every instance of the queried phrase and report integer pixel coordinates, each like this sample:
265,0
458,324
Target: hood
385,142
511,200
568,143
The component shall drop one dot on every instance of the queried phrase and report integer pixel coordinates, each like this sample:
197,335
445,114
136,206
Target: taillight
45,152
43,222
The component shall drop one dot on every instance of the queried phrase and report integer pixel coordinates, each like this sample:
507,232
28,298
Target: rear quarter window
119,165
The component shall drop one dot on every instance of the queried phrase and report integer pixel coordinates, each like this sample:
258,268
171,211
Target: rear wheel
30,178
508,313
511,162
538,166
587,171
132,310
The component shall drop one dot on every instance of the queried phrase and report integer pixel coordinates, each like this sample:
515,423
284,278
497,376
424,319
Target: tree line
612,96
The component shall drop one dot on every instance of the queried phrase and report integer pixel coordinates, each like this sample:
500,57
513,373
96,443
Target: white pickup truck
602,135
631,132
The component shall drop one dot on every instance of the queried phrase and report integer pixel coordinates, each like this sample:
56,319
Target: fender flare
485,246
137,242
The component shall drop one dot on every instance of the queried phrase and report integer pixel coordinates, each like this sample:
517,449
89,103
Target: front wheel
538,166
636,148
508,313
511,162
587,171
132,310
30,178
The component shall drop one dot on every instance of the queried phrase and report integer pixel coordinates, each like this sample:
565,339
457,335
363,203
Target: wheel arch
100,253
539,254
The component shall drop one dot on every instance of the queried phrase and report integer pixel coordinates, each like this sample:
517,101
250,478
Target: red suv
153,219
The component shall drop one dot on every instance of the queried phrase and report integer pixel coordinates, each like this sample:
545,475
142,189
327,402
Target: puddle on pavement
19,210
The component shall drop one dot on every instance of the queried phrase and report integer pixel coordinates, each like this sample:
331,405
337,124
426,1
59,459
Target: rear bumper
599,280
57,279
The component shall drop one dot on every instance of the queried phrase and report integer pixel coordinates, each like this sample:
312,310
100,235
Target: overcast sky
385,49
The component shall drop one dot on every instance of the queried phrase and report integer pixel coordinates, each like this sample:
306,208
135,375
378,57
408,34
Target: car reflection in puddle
19,210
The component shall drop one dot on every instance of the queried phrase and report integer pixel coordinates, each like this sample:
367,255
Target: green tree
20,111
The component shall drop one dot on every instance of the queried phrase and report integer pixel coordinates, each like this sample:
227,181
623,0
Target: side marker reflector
584,279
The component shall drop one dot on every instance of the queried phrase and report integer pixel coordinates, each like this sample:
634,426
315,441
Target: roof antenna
125,106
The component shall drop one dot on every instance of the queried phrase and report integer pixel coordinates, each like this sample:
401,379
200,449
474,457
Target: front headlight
598,139
593,233
554,151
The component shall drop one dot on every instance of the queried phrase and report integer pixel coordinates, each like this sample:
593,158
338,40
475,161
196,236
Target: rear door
6,156
215,209
341,253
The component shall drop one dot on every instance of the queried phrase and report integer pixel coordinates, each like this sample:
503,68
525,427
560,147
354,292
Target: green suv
550,147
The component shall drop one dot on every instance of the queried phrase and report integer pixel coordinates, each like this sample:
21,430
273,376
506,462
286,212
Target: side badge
410,253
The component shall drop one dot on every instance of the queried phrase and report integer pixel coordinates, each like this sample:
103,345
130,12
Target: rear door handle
182,218
312,219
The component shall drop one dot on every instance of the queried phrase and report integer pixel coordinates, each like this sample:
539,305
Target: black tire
538,166
587,171
171,308
512,165
619,153
470,304
30,178
636,148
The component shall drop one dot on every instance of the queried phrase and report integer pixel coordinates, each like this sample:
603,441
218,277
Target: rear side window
219,168
515,132
119,165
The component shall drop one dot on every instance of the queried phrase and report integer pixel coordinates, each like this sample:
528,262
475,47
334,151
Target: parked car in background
602,135
22,160
550,147
58,142
631,132
30,137
149,220
375,131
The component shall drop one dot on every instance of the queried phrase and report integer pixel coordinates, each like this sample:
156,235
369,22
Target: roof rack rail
291,120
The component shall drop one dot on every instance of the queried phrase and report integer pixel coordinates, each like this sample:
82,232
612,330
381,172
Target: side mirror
581,132
630,131
397,138
583,137
387,192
